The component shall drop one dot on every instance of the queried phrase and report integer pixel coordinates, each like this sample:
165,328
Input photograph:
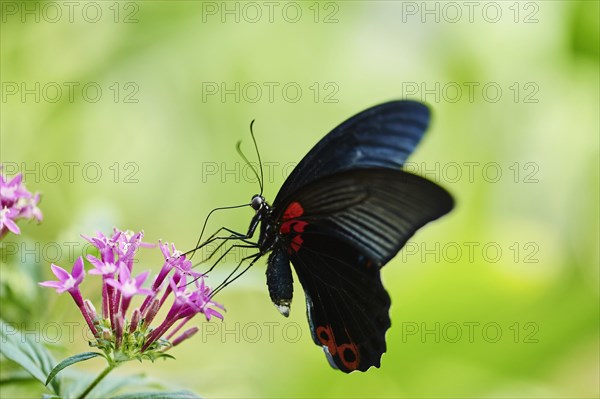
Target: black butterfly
342,214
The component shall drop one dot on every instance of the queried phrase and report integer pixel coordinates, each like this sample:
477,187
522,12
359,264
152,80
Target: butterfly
343,213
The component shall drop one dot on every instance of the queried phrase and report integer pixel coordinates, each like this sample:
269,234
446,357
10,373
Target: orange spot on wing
349,355
326,338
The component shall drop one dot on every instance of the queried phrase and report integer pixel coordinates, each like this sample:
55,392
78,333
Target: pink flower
133,336
129,286
30,210
13,190
188,303
102,268
66,281
70,282
7,220
16,203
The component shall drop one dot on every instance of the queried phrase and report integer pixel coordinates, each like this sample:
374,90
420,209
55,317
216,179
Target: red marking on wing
295,227
347,353
292,226
296,244
349,356
326,337
293,211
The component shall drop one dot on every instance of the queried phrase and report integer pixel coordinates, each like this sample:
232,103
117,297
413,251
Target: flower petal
12,226
95,261
208,313
145,291
51,284
60,273
16,180
113,283
139,280
124,273
78,271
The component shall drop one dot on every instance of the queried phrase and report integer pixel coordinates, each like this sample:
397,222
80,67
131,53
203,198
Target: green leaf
14,353
12,372
159,395
24,351
70,361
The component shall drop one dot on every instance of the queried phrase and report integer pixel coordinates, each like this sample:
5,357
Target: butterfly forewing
381,136
374,210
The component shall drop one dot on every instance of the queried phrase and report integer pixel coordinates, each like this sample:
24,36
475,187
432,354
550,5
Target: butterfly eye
257,202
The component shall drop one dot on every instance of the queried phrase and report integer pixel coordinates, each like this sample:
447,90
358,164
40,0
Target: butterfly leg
232,232
224,254
234,235
230,280
225,240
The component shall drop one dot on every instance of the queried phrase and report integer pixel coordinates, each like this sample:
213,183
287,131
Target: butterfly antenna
262,177
239,150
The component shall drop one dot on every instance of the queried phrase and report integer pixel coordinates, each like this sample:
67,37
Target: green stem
104,373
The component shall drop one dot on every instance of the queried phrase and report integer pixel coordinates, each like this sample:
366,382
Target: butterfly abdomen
280,280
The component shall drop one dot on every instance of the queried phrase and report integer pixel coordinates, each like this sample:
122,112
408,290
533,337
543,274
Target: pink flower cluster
16,203
134,335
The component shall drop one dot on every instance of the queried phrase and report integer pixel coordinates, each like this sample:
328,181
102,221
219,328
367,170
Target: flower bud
106,334
151,312
186,334
135,320
89,307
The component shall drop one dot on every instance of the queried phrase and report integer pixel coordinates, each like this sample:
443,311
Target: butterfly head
258,202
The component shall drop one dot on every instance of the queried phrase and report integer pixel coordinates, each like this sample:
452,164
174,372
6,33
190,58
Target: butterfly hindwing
347,305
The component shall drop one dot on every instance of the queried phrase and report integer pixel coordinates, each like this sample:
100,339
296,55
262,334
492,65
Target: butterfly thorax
268,232
265,217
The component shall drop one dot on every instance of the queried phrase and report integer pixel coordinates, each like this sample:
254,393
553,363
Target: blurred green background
127,113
